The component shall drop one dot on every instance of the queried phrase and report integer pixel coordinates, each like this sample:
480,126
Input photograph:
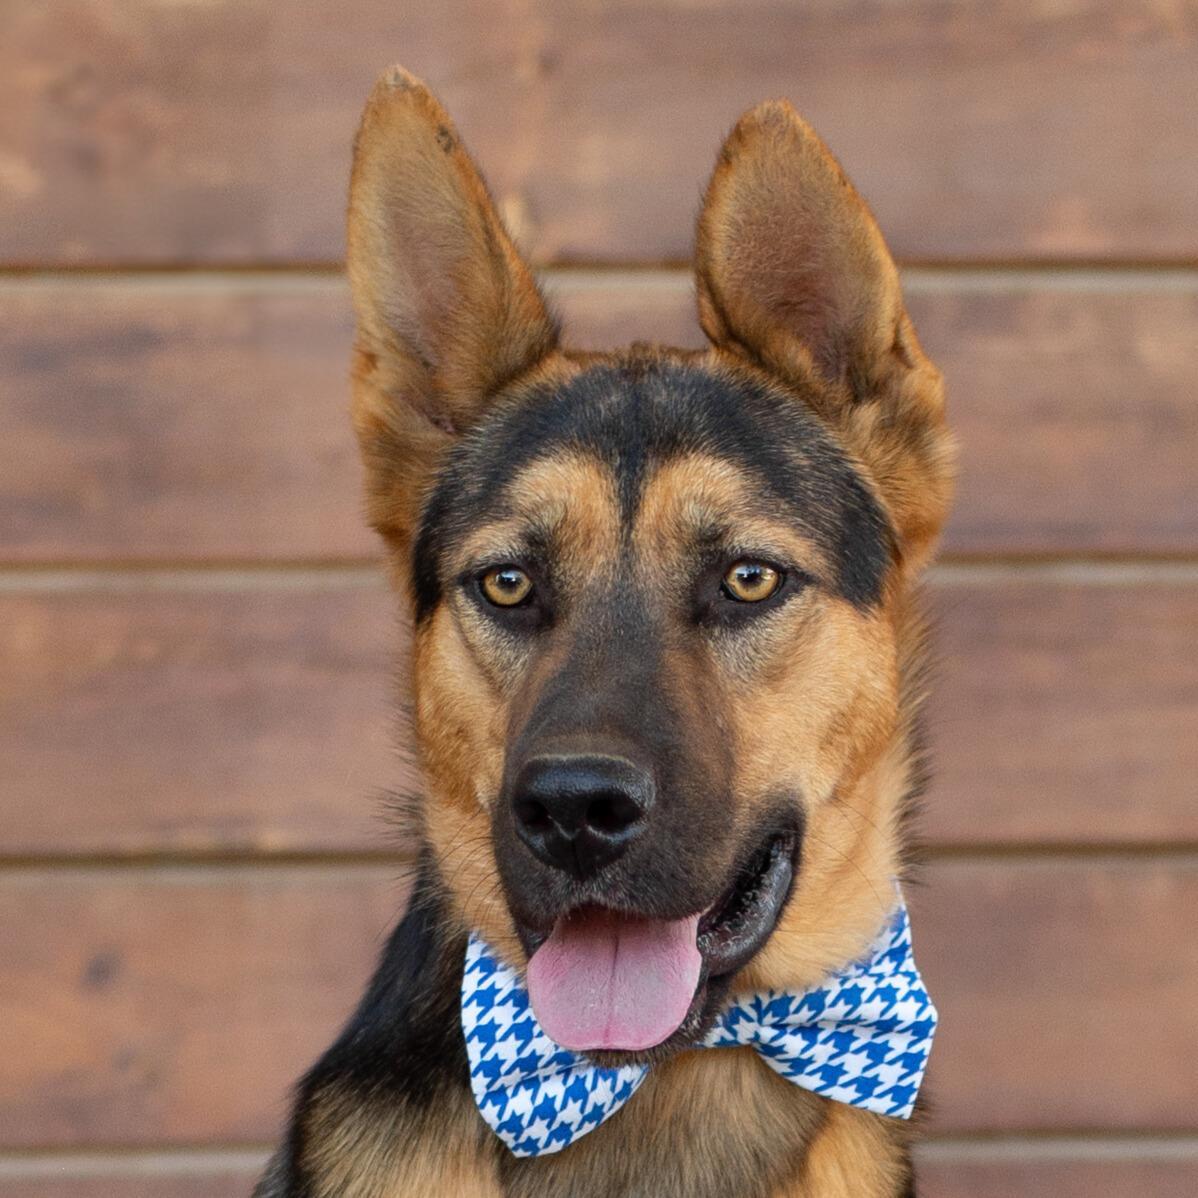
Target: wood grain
237,720
1102,1175
177,422
211,721
1078,428
153,132
174,1006
187,421
1066,991
67,1177
196,719
1064,710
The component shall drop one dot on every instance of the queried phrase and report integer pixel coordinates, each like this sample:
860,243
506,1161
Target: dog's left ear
793,274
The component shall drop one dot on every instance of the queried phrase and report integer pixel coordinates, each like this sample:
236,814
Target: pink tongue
604,980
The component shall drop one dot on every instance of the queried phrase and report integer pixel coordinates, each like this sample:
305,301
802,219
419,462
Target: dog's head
662,633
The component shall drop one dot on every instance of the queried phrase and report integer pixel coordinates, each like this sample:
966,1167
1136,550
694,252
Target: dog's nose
578,813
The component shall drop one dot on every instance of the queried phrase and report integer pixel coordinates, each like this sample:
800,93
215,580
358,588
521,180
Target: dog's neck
746,1131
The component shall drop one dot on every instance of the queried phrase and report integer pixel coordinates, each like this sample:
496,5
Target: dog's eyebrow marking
562,506
700,502
634,413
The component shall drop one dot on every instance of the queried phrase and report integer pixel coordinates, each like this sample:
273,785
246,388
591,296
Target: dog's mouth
624,987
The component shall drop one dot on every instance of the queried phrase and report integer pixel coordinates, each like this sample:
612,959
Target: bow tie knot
862,1037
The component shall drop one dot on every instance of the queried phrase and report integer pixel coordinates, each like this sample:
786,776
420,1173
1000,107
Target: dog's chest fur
705,1126
710,1123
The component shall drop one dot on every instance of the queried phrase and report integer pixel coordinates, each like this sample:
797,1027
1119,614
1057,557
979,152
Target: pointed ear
447,312
793,274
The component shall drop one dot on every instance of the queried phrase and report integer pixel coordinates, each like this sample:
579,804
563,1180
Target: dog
666,666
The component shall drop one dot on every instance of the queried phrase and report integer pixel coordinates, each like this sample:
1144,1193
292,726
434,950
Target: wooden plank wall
195,643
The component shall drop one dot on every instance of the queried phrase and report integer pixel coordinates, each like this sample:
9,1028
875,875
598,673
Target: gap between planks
31,1164
321,278
216,864
219,576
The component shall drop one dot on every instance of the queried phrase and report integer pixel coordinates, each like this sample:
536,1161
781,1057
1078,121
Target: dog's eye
506,586
751,582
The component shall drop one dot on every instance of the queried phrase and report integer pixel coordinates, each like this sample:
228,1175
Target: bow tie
862,1037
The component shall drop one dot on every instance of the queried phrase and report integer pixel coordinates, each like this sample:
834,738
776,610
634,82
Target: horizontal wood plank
204,420
243,721
206,717
122,1185
1063,711
197,1175
1077,426
161,1007
176,1006
1043,972
1102,1174
158,132
177,422
1095,1169
217,1185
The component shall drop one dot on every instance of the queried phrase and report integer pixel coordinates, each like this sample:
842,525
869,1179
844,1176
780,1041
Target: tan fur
714,1107
569,497
447,311
814,718
704,1124
464,711
814,713
376,1152
854,1155
691,492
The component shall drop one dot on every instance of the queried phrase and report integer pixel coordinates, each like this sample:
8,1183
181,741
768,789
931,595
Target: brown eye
751,582
507,586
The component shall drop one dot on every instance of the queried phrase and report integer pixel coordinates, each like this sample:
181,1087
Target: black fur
404,1042
641,412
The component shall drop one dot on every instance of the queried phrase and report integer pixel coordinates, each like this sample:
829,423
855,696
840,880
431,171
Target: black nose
578,813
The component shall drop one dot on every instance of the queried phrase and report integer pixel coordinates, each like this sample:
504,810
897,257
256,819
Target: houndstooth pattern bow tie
861,1037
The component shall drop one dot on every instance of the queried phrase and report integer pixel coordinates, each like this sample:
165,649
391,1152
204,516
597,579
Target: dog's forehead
634,416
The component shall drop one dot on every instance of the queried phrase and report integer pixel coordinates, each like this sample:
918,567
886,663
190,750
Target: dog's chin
731,931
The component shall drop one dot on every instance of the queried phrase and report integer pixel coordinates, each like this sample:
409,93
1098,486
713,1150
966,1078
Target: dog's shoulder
401,1053
405,1038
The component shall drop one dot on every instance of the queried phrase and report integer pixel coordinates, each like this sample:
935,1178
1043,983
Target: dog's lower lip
740,922
531,938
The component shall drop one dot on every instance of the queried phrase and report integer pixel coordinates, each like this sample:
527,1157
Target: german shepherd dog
665,662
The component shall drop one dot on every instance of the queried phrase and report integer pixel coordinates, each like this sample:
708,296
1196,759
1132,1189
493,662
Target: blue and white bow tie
861,1037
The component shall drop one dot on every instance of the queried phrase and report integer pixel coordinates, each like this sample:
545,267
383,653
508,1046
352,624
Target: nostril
612,814
533,815
579,812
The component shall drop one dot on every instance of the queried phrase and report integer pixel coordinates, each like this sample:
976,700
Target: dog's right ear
448,313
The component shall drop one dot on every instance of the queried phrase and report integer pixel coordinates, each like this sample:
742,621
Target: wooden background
194,641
